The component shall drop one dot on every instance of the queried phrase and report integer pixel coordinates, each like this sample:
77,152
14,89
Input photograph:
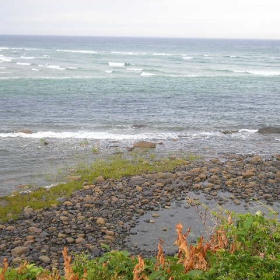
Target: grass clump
243,246
114,167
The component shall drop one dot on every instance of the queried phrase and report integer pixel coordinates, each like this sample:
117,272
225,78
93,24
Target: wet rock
18,251
139,189
25,131
136,180
144,145
229,131
28,211
10,228
45,259
17,260
70,240
61,235
100,221
95,252
35,229
248,173
74,178
269,130
99,179
80,240
137,126
155,215
110,238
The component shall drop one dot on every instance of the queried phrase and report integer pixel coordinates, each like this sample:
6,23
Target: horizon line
143,37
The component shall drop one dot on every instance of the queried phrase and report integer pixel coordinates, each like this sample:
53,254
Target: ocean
79,95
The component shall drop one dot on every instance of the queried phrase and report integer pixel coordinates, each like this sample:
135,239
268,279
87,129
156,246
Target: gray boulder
269,130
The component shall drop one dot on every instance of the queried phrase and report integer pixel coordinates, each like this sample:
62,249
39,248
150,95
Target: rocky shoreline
108,211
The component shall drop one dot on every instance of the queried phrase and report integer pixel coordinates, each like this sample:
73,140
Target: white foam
109,71
128,53
89,135
72,68
117,64
247,130
199,135
29,49
2,67
35,69
187,57
47,77
23,63
259,72
9,78
147,74
78,51
135,69
61,77
57,67
52,185
4,48
264,73
163,54
27,57
5,59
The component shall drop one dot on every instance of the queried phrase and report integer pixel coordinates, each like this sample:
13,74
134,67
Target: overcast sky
148,18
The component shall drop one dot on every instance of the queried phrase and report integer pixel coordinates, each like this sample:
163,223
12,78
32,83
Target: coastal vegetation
242,246
114,167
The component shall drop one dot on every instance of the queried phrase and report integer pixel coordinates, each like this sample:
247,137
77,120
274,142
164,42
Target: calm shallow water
146,235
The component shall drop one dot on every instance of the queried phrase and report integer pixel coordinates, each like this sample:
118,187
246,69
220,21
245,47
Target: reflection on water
162,224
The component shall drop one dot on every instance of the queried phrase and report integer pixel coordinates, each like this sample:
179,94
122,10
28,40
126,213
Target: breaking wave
259,72
23,63
27,57
89,135
118,64
5,58
162,54
135,69
128,53
147,74
77,51
55,67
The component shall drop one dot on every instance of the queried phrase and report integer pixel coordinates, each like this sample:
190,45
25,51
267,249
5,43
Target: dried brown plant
192,257
69,274
160,256
138,270
5,268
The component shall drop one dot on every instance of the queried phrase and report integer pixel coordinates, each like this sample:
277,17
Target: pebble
45,259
